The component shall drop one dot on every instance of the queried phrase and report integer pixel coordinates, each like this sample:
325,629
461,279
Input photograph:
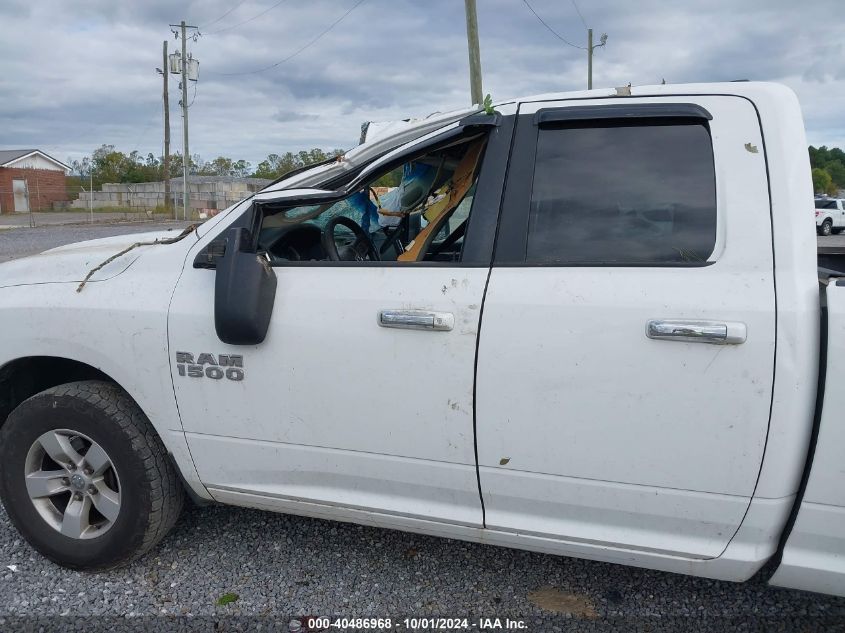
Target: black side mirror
244,291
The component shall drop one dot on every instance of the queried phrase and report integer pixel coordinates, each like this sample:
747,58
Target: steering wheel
361,248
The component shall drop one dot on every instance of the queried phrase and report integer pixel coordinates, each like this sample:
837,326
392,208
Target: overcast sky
75,75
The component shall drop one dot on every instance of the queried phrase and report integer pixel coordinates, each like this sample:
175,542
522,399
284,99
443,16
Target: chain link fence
35,200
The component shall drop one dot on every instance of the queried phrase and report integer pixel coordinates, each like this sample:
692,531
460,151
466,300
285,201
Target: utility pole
186,153
590,49
166,131
474,53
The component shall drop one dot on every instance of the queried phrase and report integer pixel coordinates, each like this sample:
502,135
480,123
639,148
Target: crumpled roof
388,138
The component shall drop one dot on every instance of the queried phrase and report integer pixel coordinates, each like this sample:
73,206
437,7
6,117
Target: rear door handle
689,331
417,320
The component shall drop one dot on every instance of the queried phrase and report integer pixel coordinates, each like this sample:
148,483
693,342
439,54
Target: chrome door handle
417,320
689,331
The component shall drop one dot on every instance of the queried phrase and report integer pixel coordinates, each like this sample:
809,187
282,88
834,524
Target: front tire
84,477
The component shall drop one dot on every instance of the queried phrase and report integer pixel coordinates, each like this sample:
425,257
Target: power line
578,11
301,49
194,98
196,82
551,30
224,15
255,17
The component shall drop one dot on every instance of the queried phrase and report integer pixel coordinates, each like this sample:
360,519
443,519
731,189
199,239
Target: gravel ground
43,218
281,566
20,242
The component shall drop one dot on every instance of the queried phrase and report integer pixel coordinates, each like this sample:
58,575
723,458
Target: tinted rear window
623,194
825,204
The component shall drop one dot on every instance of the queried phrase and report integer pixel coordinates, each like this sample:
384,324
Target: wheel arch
26,376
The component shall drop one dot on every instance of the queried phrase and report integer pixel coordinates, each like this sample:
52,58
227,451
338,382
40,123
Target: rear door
626,357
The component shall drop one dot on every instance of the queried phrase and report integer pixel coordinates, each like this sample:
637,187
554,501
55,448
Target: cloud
287,116
77,75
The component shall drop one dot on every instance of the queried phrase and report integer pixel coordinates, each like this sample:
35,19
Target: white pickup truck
588,324
830,215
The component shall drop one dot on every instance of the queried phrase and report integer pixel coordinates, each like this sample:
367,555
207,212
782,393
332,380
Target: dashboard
295,243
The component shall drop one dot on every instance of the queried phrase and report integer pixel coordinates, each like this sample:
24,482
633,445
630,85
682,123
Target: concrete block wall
204,192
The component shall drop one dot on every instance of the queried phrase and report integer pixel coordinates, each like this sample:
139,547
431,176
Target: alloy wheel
72,483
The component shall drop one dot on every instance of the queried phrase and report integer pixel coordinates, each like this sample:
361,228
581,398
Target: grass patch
226,598
159,210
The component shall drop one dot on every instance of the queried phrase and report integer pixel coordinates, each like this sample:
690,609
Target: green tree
268,167
220,166
821,180
274,165
136,168
80,168
175,165
240,168
197,166
836,169
108,165
818,156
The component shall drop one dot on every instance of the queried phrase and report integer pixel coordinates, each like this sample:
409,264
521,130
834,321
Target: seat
439,212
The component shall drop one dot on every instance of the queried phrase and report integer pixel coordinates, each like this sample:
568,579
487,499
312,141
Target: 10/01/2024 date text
415,624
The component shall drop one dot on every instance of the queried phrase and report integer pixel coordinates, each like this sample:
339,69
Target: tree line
106,164
828,169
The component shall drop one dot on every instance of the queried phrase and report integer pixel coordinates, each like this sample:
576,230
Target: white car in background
830,215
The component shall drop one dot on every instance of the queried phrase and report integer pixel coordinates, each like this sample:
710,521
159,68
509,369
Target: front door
331,407
360,399
626,355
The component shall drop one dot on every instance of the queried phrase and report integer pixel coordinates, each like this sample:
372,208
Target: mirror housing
211,254
244,291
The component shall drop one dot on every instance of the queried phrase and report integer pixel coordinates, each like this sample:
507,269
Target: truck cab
587,324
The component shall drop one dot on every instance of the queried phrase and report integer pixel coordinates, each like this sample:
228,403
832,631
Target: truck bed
831,260
812,557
